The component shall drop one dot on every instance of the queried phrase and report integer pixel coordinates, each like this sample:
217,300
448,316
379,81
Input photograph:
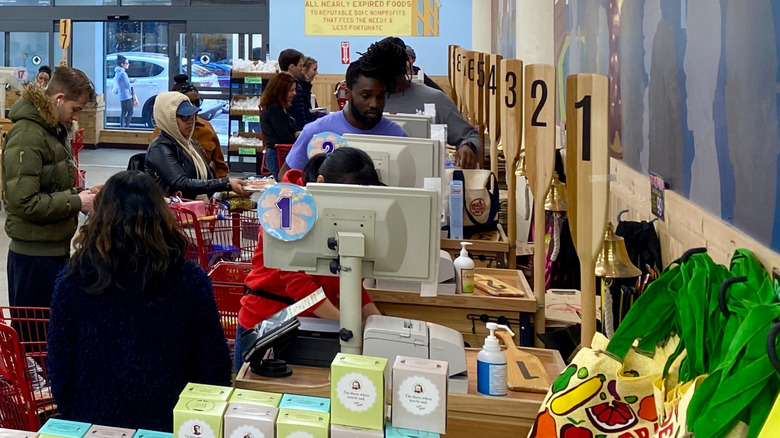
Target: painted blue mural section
287,31
700,98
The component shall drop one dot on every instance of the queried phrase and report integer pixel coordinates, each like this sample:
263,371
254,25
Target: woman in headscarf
173,160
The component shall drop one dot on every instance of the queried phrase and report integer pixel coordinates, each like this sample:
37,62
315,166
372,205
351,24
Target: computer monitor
400,161
363,231
415,125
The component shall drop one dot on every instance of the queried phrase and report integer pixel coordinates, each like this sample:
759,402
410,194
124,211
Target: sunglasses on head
197,102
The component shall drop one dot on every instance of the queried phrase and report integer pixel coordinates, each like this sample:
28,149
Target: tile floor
100,164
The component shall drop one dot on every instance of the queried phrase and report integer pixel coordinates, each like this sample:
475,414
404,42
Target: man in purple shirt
367,89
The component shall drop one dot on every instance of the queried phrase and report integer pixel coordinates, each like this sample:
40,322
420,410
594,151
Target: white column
535,31
481,25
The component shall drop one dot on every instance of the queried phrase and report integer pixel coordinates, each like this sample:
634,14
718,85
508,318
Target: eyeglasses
187,118
197,102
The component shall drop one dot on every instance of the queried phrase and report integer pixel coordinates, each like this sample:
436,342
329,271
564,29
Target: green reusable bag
743,382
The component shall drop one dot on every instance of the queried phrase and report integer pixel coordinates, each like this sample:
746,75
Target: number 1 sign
287,212
587,180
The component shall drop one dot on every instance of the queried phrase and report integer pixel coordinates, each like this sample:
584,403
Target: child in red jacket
271,290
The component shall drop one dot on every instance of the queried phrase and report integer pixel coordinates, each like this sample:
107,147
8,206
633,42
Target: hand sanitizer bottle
491,364
464,271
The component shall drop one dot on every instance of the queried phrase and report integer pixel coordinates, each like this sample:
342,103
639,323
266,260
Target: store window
25,3
85,2
29,50
2,50
154,3
224,2
145,47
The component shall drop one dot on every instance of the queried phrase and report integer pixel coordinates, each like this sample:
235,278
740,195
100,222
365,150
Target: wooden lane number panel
451,71
492,96
587,179
460,74
539,90
539,127
65,28
478,87
511,105
470,79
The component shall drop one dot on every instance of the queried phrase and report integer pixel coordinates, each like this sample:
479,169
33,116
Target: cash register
388,336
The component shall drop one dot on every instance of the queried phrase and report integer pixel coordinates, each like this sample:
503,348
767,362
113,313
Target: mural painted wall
698,85
444,22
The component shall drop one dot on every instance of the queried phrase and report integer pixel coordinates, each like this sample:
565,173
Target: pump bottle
491,364
464,271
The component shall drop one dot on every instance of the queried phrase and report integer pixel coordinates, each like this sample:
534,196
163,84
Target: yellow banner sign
372,18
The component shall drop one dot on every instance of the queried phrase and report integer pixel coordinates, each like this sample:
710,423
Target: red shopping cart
219,234
25,397
227,279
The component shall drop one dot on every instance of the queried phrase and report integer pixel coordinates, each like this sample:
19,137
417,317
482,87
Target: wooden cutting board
524,371
501,282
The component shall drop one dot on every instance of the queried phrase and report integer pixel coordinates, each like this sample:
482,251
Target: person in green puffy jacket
39,178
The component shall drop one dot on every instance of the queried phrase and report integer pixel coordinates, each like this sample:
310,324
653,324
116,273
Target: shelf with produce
245,152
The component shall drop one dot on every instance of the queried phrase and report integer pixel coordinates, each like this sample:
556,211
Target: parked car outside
150,71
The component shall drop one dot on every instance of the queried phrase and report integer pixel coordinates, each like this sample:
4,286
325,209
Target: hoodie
122,84
293,284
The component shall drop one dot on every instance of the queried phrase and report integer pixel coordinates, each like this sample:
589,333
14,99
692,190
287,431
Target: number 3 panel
511,109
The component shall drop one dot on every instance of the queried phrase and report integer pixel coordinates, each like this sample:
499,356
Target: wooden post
471,72
460,72
587,181
451,72
494,108
539,161
512,128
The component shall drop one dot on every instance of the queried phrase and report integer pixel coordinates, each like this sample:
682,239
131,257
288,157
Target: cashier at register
271,290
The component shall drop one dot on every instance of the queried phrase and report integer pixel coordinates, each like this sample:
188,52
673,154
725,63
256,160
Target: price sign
325,143
247,151
287,211
253,80
512,108
255,119
587,180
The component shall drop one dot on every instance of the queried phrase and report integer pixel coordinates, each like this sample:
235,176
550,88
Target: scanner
388,336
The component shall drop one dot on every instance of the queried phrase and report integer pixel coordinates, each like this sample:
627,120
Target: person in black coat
174,160
277,125
132,322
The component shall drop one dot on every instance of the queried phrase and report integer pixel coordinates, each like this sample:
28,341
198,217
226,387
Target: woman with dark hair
270,290
43,76
174,160
132,322
277,125
203,136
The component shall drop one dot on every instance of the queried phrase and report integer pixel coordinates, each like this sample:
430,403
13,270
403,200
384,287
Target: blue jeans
272,162
237,349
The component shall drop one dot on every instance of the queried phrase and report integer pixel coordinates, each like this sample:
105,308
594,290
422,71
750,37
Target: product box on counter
340,431
198,418
293,423
420,394
143,433
98,431
305,403
358,391
270,399
13,433
245,420
56,428
397,432
206,392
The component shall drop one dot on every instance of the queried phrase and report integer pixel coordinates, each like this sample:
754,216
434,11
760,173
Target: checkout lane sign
287,211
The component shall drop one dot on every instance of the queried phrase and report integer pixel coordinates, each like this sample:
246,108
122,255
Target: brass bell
613,261
520,167
556,196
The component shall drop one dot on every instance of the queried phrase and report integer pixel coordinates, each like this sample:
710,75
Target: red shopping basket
25,397
219,235
227,279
